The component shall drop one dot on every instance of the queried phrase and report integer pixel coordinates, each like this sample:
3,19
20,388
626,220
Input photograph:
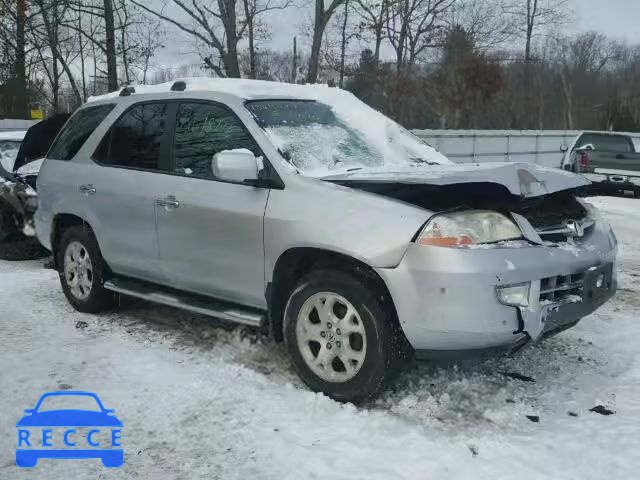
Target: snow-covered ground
204,400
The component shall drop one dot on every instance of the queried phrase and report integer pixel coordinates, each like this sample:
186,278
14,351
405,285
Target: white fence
9,124
469,146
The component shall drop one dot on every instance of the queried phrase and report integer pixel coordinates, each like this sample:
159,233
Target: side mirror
564,147
235,166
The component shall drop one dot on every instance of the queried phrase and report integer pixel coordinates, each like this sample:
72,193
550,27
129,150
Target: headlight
470,227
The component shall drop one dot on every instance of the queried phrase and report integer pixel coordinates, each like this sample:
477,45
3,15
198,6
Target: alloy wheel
78,270
331,337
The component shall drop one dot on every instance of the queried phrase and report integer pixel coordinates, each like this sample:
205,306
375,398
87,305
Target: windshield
320,139
8,153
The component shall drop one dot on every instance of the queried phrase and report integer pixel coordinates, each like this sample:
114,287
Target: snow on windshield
8,153
339,133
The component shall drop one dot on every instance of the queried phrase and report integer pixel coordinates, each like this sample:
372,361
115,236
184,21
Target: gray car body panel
445,298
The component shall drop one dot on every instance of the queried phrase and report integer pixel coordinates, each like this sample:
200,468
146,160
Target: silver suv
300,210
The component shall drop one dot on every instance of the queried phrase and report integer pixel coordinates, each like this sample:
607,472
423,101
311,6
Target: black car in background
18,192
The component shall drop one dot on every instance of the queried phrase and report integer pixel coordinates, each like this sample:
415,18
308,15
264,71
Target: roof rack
179,86
126,91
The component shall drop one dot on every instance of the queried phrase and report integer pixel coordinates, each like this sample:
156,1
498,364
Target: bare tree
253,26
14,29
580,62
103,41
215,25
50,35
484,21
373,15
415,25
321,18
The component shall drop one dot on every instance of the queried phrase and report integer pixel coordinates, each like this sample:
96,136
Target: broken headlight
470,227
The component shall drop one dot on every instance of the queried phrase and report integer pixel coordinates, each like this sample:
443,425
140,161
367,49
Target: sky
619,19
614,18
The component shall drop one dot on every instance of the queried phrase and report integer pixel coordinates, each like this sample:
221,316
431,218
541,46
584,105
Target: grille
561,287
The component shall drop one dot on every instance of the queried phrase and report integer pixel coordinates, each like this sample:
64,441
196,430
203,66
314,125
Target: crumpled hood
522,179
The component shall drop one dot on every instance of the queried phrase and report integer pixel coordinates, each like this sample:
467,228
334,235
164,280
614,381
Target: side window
77,130
135,140
202,130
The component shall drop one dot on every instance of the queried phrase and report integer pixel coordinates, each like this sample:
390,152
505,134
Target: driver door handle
169,202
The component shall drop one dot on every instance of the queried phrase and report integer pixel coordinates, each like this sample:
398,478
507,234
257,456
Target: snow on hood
522,179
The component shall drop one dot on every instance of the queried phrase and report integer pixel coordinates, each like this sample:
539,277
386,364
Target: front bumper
446,299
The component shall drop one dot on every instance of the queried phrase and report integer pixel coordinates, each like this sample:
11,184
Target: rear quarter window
77,130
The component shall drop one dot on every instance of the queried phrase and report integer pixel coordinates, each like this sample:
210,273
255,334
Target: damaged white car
300,210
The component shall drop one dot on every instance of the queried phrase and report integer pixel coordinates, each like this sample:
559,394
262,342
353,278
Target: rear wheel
81,267
339,336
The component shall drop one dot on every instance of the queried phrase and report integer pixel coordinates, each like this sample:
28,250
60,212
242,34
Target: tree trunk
566,87
112,68
249,13
378,42
82,60
21,104
230,57
318,32
343,43
294,66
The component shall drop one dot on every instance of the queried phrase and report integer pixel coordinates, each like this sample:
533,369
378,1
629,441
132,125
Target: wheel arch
298,261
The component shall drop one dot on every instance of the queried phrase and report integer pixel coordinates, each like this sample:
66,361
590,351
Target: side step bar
193,303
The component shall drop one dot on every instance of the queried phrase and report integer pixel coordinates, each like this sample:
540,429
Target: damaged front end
460,293
21,202
18,204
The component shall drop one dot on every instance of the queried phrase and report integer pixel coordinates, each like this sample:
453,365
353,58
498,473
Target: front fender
314,214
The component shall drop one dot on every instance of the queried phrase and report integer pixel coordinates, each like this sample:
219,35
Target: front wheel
339,336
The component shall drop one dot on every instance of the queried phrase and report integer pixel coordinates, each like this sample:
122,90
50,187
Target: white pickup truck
609,160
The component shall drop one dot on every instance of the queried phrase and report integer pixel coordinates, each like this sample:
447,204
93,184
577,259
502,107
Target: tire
636,193
82,280
357,330
14,245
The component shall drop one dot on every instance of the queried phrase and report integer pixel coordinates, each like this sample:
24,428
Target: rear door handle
168,202
88,189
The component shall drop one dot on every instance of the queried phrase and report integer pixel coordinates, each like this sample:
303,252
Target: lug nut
338,344
337,331
329,325
322,334
328,346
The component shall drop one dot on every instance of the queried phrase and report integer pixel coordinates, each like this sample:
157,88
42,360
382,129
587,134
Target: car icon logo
36,437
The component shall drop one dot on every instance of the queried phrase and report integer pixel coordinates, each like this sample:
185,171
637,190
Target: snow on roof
239,87
17,135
